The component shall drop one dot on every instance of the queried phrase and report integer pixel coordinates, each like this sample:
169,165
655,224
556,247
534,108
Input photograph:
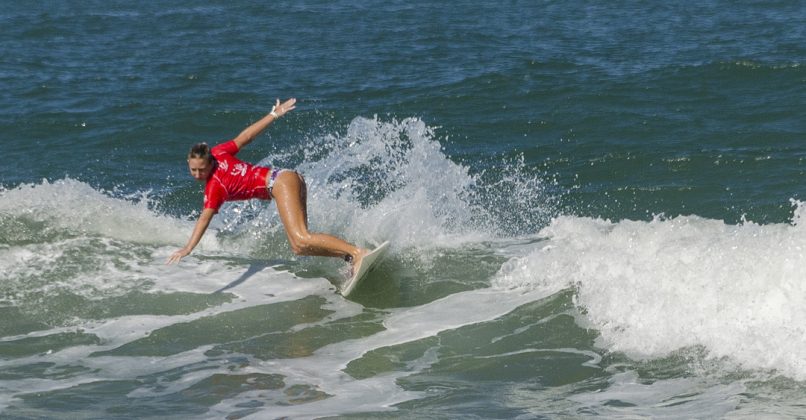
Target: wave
68,207
657,287
65,240
650,288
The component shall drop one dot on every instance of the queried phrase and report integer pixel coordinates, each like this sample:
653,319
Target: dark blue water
594,209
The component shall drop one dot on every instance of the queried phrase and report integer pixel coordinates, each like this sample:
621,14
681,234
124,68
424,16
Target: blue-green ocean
594,209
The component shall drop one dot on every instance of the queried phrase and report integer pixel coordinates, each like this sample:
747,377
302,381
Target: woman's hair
200,150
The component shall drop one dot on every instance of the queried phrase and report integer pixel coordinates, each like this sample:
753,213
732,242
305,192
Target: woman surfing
227,178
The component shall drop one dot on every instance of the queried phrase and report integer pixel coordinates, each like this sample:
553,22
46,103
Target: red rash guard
233,179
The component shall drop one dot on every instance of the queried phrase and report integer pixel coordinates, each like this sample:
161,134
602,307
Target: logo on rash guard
224,165
239,169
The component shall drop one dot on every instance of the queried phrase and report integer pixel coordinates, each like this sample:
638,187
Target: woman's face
200,168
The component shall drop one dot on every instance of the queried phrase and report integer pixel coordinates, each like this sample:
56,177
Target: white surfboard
366,265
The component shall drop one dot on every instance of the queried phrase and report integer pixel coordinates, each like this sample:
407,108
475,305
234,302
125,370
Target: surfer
227,178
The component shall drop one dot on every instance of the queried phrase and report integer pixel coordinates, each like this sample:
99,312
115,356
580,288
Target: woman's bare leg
290,194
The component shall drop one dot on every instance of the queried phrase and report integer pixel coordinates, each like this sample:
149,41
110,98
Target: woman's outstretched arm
249,134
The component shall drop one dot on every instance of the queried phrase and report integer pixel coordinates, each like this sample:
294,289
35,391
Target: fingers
175,257
282,108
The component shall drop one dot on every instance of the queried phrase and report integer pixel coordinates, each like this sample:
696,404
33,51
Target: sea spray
392,180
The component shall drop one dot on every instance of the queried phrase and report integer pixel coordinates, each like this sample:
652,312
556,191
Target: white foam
654,287
77,207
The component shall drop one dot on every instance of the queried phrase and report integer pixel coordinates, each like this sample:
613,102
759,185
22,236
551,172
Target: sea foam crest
654,287
76,208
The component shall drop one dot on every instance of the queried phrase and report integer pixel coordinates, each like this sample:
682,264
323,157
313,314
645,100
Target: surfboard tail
367,264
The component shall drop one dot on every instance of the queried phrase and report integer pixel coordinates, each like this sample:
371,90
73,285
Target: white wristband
274,114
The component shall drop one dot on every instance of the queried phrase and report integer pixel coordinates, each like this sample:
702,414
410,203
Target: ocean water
595,210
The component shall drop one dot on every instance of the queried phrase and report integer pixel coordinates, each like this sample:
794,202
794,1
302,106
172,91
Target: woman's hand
176,256
198,231
279,109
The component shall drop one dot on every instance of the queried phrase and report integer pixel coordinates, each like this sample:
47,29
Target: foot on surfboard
363,268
